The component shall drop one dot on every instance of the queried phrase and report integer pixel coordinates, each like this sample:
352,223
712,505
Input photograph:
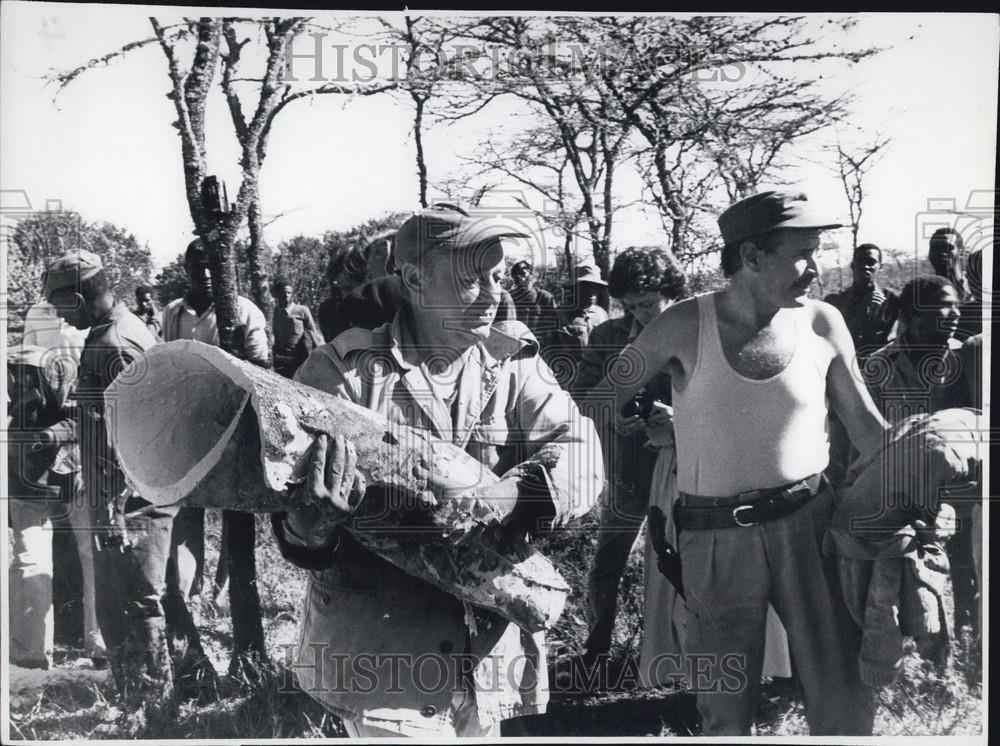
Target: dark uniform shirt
114,341
536,309
906,379
870,317
290,325
971,321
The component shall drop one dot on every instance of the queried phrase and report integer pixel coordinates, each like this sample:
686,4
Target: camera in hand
640,405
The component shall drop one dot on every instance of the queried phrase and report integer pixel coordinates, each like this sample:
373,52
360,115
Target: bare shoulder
827,321
680,319
670,341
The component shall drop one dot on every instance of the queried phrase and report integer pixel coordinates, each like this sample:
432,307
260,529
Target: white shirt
180,321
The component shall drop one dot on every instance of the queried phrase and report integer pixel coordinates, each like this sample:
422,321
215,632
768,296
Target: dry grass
924,701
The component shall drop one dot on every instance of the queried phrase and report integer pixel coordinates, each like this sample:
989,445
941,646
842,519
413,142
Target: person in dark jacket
946,254
295,332
535,307
919,369
971,322
133,536
871,312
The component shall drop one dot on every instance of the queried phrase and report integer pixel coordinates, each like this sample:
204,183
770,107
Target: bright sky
106,148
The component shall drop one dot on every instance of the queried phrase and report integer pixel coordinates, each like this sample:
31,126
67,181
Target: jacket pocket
486,441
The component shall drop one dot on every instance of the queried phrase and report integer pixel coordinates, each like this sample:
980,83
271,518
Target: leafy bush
44,236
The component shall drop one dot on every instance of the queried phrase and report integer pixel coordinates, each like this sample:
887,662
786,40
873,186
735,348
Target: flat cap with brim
70,270
448,228
585,273
768,211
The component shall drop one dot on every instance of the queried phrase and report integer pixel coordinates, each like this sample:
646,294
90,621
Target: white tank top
735,433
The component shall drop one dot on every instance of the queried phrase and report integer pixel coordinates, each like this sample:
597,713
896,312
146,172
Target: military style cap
70,270
446,227
768,211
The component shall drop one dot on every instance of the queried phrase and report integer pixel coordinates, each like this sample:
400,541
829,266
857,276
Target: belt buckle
736,516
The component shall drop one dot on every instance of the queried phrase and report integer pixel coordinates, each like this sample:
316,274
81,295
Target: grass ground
75,704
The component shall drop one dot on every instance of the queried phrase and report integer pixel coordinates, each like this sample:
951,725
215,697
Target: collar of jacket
115,313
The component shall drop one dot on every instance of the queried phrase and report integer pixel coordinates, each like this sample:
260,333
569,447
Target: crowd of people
728,420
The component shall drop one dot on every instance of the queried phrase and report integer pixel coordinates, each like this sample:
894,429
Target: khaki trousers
730,576
30,572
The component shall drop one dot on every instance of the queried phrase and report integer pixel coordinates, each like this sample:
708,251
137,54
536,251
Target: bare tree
557,86
535,161
190,89
423,44
747,133
852,166
681,190
685,96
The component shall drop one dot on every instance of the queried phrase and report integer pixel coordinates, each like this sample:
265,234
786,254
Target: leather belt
700,513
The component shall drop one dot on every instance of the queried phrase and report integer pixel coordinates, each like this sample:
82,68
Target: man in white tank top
753,367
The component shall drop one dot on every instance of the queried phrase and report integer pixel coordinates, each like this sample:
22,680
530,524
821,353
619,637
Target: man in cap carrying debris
753,367
133,537
442,366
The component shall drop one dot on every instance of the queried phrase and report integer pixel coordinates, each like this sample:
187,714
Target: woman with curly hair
646,280
346,270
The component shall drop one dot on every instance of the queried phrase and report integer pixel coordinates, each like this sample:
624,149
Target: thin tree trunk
418,118
568,249
604,258
244,601
258,258
677,228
